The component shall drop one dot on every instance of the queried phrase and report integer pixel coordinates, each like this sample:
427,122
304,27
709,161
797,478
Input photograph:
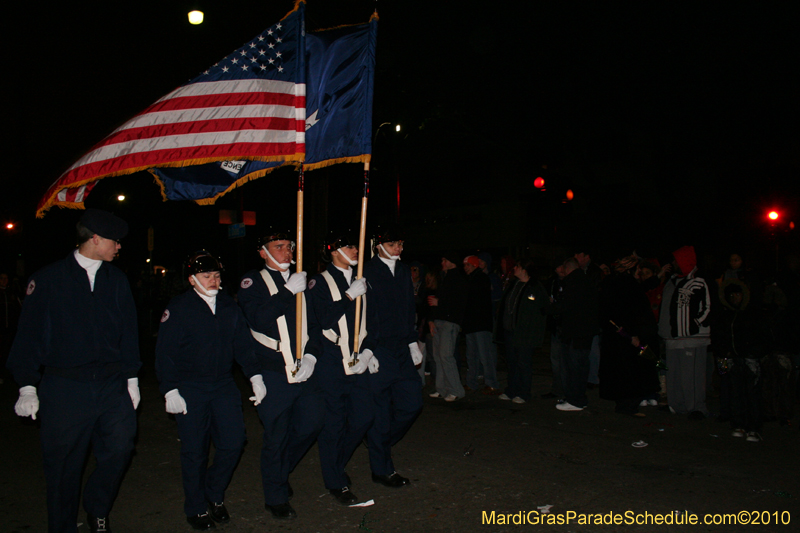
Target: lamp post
397,128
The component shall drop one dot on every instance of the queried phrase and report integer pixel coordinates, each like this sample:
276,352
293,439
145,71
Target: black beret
104,224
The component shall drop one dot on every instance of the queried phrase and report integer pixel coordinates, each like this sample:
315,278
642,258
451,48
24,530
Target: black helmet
336,240
389,234
200,262
275,236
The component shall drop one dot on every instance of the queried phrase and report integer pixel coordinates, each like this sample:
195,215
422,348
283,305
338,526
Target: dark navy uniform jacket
262,311
392,299
324,313
76,332
198,346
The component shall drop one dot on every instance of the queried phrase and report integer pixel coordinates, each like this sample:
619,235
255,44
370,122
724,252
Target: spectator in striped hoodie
684,325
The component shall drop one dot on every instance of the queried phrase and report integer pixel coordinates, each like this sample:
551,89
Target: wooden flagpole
361,238
299,261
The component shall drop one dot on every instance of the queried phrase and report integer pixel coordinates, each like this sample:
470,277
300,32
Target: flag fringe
365,158
52,201
373,17
237,183
295,8
159,183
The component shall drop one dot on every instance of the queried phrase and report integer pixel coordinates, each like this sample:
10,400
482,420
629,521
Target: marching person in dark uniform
202,332
79,322
396,387
345,386
293,417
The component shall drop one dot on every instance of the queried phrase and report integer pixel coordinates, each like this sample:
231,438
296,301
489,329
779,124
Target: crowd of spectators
647,331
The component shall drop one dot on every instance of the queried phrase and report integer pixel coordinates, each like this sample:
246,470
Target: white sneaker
566,406
643,403
435,395
517,399
450,398
652,403
752,436
504,397
738,432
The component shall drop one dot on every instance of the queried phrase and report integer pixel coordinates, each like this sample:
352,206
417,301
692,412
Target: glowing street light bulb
773,215
121,197
195,17
397,128
10,225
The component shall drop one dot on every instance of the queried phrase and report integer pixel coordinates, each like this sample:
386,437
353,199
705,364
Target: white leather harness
343,339
284,346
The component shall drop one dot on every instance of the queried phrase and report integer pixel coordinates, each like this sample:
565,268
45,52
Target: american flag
248,106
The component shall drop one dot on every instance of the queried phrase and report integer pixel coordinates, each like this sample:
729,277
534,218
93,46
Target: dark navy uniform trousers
213,411
348,415
76,415
292,415
397,400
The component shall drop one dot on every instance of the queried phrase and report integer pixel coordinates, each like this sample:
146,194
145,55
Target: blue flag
339,91
340,65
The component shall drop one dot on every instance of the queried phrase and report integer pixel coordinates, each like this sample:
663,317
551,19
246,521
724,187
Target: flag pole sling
361,238
299,261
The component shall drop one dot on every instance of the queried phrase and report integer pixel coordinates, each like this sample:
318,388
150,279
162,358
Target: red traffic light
538,182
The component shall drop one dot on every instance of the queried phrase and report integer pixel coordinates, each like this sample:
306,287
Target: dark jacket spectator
478,307
452,296
578,308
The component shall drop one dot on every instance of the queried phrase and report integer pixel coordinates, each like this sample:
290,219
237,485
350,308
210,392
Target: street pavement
466,460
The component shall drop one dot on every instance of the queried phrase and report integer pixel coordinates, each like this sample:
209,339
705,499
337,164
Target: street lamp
195,17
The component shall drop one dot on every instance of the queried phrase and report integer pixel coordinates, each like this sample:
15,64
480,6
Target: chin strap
351,262
389,256
282,266
202,290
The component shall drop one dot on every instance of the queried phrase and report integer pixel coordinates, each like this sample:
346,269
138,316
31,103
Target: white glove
133,390
305,368
259,389
373,365
357,288
416,354
297,282
175,402
364,359
28,403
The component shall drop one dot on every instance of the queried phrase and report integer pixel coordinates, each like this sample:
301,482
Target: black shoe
547,396
696,415
201,522
344,496
291,492
282,511
394,481
218,513
98,524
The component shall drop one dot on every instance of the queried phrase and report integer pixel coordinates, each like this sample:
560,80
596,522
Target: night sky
672,123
